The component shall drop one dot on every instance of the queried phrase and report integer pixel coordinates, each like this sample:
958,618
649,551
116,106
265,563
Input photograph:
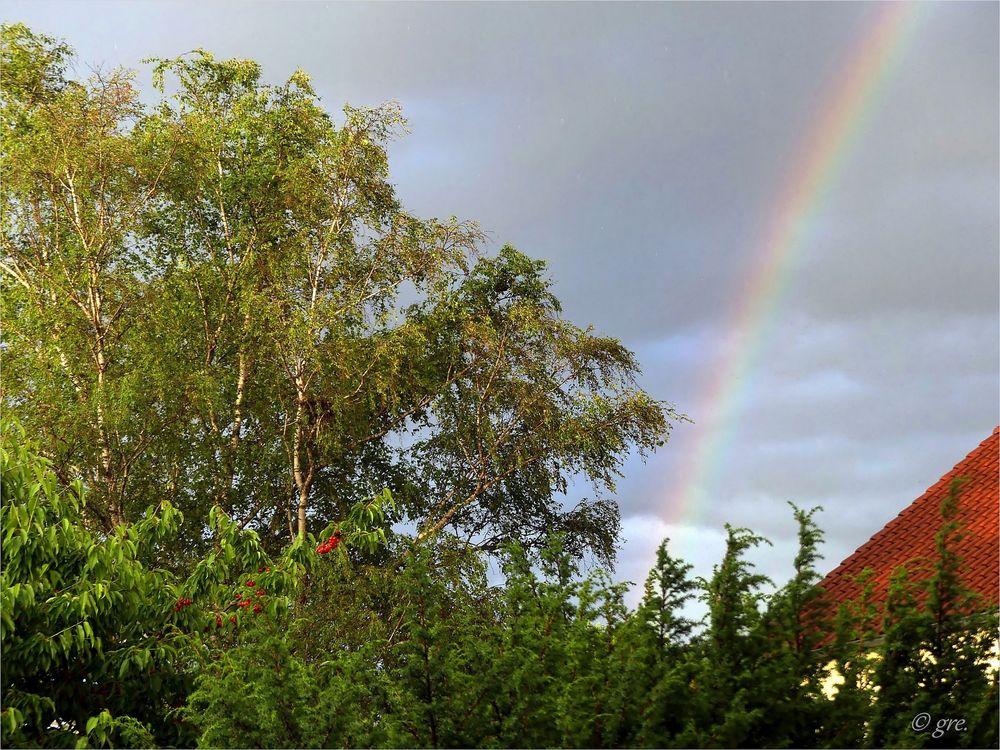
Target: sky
644,151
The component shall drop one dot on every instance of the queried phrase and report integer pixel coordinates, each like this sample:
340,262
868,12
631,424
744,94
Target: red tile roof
909,537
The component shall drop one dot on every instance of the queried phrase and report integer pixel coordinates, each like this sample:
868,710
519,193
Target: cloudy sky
644,151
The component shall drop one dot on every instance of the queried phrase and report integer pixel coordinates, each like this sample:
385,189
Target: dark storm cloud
638,149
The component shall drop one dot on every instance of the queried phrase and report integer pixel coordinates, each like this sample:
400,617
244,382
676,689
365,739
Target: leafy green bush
100,645
95,646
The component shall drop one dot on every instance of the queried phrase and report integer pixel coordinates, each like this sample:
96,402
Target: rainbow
817,163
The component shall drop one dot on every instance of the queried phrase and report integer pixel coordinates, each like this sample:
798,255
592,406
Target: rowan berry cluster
329,544
245,599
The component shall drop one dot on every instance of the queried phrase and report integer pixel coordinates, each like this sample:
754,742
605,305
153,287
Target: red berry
260,592
251,583
232,619
260,570
257,608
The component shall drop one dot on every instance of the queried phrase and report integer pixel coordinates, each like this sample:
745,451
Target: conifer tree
442,666
791,669
897,676
933,678
658,665
537,611
851,666
960,641
956,645
724,689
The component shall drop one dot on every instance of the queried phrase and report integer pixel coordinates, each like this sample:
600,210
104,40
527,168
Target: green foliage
657,667
938,641
93,648
559,652
722,709
438,657
259,694
853,660
100,646
222,333
796,622
204,305
33,66
378,641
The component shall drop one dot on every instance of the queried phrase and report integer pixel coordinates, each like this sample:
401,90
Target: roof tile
909,537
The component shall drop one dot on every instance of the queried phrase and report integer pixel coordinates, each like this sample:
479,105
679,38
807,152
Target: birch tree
219,300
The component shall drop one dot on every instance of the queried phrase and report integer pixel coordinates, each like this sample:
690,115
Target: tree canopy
218,299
